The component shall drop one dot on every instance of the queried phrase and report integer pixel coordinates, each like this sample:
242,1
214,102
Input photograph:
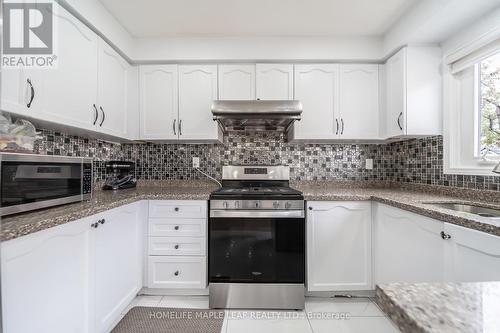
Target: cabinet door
396,94
45,276
472,255
16,91
359,104
237,82
197,91
112,91
339,246
159,102
177,272
117,260
316,86
274,81
69,91
407,247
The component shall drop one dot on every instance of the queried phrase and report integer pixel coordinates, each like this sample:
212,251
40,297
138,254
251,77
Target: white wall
258,48
431,21
101,20
487,27
427,22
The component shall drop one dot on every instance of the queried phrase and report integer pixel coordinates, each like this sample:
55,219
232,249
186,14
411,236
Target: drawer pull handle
176,273
176,209
176,227
176,247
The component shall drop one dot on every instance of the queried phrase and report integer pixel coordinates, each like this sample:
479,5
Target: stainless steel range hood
256,115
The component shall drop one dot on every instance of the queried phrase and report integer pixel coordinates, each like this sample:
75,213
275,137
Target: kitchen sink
468,208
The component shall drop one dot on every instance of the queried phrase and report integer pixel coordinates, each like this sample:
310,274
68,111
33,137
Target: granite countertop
411,198
26,223
442,307
407,198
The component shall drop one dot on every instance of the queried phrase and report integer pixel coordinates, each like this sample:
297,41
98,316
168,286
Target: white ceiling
186,18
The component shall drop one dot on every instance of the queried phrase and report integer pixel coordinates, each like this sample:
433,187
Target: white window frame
461,156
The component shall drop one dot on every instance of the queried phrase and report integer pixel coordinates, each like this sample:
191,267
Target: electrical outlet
196,162
369,164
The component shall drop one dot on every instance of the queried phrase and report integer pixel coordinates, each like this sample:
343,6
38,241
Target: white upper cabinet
237,82
159,103
69,91
274,81
396,94
317,87
413,93
359,102
112,91
339,255
407,247
472,255
197,91
23,89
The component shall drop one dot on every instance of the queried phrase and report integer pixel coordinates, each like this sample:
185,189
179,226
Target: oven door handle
258,213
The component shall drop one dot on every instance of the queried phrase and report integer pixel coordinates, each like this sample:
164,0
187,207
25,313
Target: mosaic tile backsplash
413,161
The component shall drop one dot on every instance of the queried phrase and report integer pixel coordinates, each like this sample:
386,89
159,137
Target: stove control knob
225,205
288,205
276,205
256,204
237,204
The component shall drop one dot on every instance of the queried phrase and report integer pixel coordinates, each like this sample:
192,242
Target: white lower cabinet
407,247
117,259
339,246
177,244
177,272
75,277
412,248
471,255
45,280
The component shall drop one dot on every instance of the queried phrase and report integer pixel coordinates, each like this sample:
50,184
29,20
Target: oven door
256,247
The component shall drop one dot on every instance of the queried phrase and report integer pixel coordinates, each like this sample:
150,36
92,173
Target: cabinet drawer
176,246
177,272
178,208
178,227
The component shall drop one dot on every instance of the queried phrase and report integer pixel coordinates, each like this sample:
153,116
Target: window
488,110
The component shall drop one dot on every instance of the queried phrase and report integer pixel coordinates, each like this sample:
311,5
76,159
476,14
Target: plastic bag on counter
19,136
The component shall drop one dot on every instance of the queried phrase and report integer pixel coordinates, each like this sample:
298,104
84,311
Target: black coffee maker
121,175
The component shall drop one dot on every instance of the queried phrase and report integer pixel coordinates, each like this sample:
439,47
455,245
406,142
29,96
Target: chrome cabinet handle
180,126
32,89
176,273
176,247
96,114
173,126
103,116
337,131
445,236
399,121
342,121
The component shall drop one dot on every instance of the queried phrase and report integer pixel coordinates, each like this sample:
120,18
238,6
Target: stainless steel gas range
256,245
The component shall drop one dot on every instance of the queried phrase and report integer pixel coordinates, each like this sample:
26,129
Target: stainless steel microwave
29,181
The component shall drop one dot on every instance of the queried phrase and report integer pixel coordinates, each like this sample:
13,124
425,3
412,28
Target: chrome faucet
496,169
